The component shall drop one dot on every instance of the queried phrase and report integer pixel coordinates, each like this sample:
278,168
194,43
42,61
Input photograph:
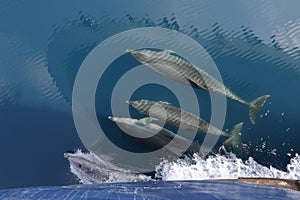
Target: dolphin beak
67,154
129,50
111,118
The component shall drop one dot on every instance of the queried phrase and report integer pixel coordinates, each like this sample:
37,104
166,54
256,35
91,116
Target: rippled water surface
254,44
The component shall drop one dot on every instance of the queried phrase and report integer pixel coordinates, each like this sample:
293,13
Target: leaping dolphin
91,168
170,65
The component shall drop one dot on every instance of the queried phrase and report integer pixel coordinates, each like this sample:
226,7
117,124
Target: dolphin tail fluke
235,136
256,105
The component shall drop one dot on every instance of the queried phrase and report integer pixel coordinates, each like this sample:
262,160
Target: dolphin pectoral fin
146,120
235,137
195,85
192,83
256,105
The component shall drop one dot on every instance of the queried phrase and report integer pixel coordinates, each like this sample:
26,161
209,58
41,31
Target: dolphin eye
79,165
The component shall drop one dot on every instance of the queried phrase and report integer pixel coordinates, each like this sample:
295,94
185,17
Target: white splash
223,167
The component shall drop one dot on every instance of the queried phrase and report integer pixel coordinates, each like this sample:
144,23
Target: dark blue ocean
254,44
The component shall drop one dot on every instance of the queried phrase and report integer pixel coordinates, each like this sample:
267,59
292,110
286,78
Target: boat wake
223,167
89,169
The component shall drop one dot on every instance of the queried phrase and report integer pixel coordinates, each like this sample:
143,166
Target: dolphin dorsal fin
167,51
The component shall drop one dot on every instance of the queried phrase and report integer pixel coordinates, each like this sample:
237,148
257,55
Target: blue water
155,190
44,43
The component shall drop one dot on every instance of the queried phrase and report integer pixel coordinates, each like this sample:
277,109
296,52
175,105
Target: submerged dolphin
168,64
177,117
159,137
156,136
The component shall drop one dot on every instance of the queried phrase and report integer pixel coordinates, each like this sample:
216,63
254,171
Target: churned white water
223,167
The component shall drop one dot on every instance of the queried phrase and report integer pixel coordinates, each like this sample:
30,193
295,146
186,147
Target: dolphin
159,137
177,117
167,63
90,168
156,136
